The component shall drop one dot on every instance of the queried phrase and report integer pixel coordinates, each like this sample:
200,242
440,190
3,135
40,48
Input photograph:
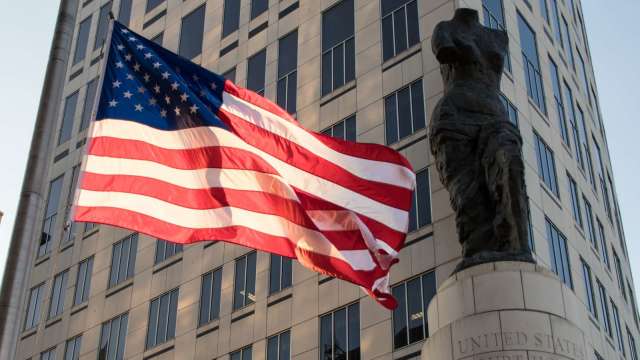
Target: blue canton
146,83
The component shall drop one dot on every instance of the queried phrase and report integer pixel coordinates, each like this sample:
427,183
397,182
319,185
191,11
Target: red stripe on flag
304,159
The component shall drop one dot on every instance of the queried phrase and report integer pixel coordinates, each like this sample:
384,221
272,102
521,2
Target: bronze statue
478,152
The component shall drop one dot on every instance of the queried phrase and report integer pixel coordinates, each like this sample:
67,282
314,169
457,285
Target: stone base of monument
505,311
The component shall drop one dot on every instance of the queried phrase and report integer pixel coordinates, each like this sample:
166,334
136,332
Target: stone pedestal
505,311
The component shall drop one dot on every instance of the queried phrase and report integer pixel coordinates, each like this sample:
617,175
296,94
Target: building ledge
210,327
159,349
119,287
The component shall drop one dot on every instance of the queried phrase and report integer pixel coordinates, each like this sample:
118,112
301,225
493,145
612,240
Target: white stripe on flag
214,136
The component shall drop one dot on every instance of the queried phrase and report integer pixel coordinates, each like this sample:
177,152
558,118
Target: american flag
181,154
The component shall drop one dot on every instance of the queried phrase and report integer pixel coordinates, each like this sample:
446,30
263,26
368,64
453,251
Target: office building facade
360,70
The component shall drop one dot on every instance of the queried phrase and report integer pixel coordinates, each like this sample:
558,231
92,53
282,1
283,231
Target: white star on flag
184,97
193,109
156,65
163,113
165,75
113,103
128,94
116,84
138,107
174,85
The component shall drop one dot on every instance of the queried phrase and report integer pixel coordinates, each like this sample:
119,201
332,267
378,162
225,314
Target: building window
399,26
278,346
244,288
604,307
544,11
566,41
256,72
559,253
230,74
338,49
591,228
162,319
124,14
158,39
279,273
258,7
410,317
83,281
49,354
68,115
546,165
531,63
152,4
555,13
632,345
89,97
617,327
420,213
72,348
588,285
620,275
191,33
166,249
571,114
575,201
50,215
58,291
598,356
123,259
340,334
103,25
493,12
210,296
584,145
404,112
243,354
557,97
604,252
82,39
511,110
70,226
287,73
583,75
33,307
113,336
343,130
231,17
601,177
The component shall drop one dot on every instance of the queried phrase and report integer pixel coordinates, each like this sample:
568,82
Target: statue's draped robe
477,150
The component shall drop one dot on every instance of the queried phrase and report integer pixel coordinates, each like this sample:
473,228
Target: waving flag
179,153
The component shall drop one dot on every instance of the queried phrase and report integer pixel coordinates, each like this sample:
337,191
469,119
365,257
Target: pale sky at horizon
26,29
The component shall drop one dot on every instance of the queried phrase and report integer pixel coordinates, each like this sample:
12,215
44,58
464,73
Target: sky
26,29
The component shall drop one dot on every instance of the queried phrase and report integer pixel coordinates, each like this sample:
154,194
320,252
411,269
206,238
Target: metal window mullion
333,345
411,106
406,310
346,330
393,32
395,95
424,311
344,61
244,286
211,295
406,23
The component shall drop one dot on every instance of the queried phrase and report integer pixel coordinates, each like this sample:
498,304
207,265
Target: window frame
85,290
278,339
550,176
408,39
31,322
183,52
236,305
332,313
351,119
131,264
57,295
214,272
288,77
120,343
76,341
423,303
415,126
171,313
344,45
282,284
